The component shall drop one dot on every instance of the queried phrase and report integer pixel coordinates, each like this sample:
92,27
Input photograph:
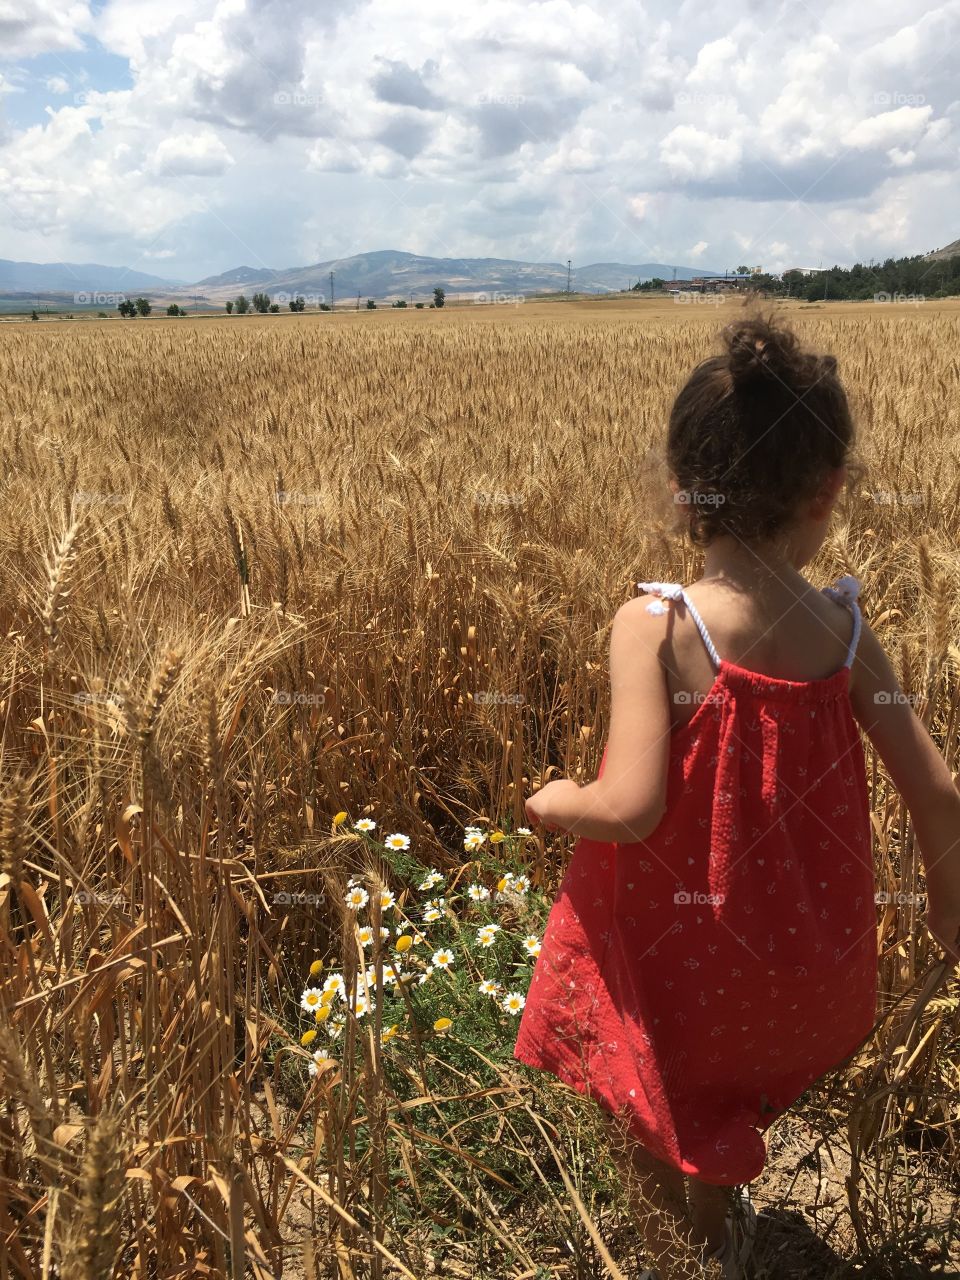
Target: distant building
806,271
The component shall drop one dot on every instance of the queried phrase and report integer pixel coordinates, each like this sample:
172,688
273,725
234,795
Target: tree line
915,276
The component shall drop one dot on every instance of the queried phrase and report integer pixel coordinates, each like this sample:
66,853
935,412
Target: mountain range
75,277
384,274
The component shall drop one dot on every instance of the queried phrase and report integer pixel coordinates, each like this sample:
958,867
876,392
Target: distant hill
240,275
75,277
951,251
391,273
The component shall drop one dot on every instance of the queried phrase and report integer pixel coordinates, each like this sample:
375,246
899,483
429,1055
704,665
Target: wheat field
266,577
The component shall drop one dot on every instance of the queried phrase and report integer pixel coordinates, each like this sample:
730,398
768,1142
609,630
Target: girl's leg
658,1198
708,1207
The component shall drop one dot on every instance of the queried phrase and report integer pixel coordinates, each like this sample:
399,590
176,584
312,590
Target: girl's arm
628,801
920,774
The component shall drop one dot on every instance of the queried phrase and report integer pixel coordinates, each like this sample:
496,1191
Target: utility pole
332,304
358,299
568,277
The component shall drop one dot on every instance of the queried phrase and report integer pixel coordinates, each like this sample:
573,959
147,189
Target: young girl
712,949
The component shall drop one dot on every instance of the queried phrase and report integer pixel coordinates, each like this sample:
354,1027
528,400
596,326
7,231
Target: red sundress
699,981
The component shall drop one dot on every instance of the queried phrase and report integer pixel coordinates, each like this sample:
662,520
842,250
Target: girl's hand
550,807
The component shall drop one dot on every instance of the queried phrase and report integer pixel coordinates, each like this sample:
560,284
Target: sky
186,137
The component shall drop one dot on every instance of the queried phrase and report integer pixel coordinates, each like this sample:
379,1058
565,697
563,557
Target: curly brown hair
754,431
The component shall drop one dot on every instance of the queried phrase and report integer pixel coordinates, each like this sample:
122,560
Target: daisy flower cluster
438,950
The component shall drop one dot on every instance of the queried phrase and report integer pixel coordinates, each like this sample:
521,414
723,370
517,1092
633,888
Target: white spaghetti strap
845,592
675,591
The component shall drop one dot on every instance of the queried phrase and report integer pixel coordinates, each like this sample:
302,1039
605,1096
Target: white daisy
532,944
397,841
443,958
334,982
473,840
318,1058
426,974
435,902
432,913
478,892
365,934
391,974
357,898
418,938
468,829
362,1004
364,824
486,936
523,831
488,987
335,1028
521,884
513,1002
431,878
386,899
310,1000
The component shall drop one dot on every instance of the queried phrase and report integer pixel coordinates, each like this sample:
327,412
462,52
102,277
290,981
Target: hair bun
757,351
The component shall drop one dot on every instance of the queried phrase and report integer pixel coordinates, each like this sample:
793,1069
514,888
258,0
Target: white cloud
198,154
31,27
58,84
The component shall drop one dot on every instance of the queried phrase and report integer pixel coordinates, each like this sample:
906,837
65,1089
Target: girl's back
772,628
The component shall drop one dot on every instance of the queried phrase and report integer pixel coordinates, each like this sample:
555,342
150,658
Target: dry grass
195,675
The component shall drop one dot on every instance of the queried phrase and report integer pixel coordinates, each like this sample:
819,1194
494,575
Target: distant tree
229,306
34,316
174,310
297,304
419,305
274,307
742,271
439,297
325,306
143,306
371,305
261,302
127,308
401,302
242,306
